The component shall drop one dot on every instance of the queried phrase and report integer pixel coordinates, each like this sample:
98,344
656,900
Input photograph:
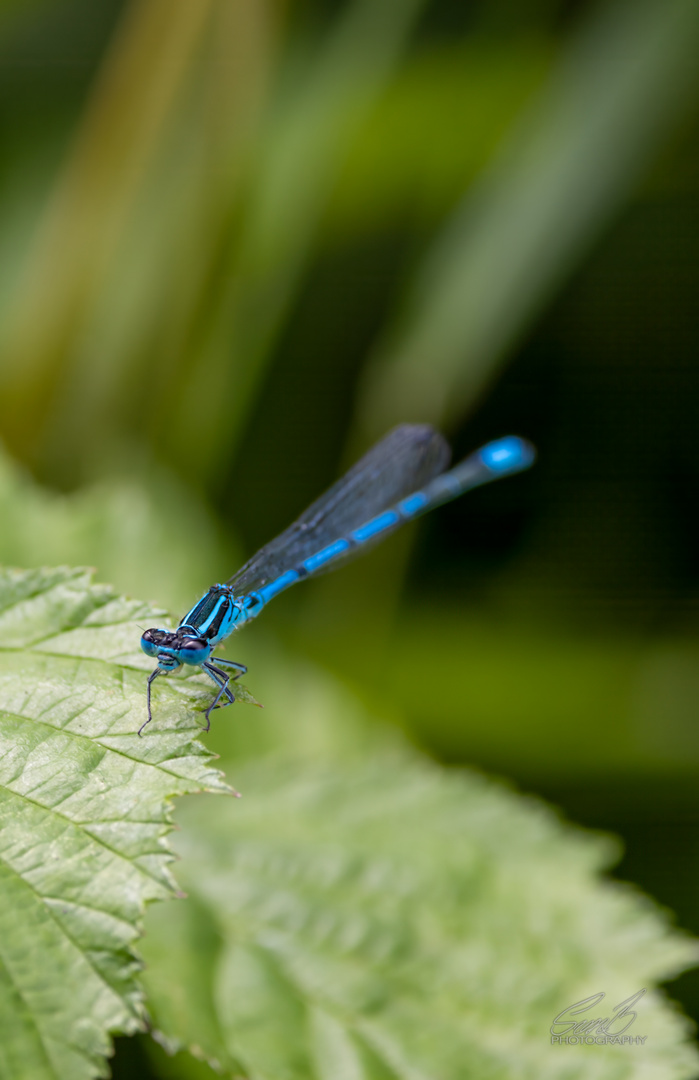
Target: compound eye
150,641
194,650
149,647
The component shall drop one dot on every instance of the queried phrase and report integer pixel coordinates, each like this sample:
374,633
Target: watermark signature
597,1029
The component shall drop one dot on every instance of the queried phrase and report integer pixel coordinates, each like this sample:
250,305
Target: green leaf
392,919
129,527
84,813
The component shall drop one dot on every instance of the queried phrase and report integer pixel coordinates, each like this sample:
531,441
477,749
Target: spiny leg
221,681
153,675
241,668
221,678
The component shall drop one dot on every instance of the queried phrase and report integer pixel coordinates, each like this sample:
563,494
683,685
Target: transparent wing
402,462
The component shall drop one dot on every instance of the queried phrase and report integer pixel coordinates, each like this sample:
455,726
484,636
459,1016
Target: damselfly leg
153,675
222,680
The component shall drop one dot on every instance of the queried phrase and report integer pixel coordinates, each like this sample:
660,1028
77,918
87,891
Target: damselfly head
173,647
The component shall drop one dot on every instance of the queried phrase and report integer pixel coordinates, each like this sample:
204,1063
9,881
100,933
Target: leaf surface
84,812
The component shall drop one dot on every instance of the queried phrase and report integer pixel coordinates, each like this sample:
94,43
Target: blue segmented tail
500,458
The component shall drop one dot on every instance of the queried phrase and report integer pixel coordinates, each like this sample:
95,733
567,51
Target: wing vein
404,461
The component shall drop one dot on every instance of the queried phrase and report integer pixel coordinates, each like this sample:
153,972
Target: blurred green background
240,239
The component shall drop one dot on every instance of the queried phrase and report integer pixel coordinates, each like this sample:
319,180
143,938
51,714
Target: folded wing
404,461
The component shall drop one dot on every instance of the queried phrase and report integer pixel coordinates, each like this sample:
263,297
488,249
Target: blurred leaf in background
365,919
130,528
